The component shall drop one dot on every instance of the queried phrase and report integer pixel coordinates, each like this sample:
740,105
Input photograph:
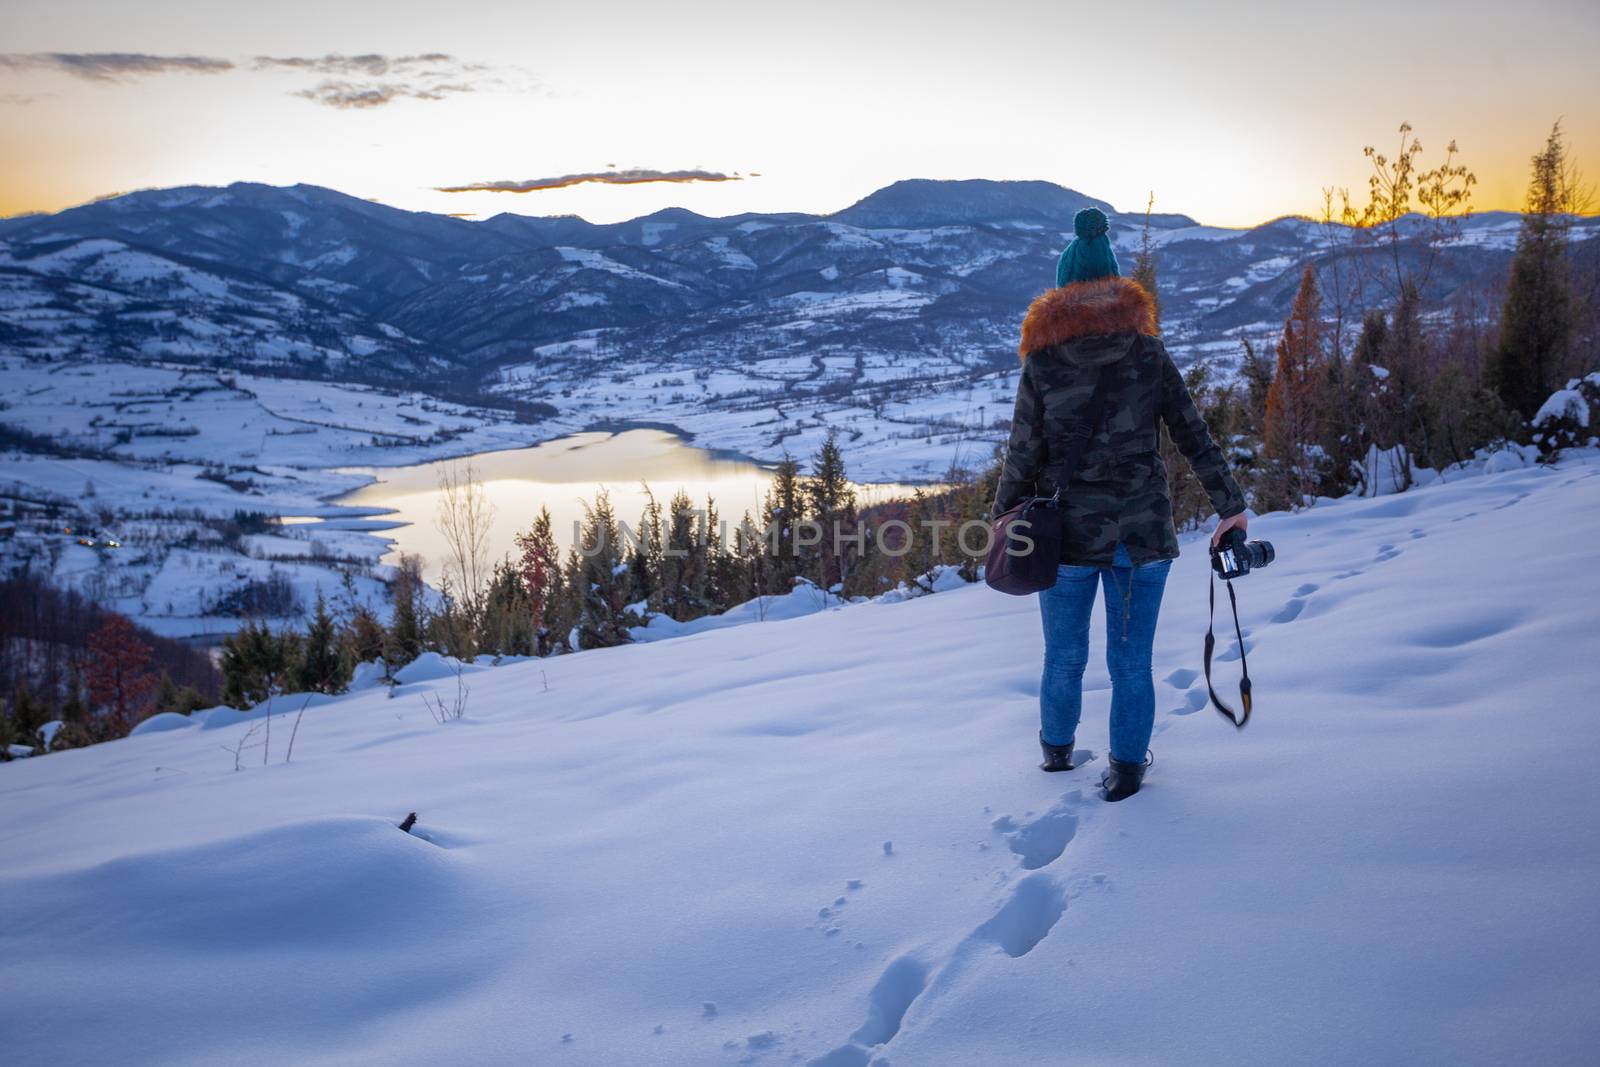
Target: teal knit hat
1089,256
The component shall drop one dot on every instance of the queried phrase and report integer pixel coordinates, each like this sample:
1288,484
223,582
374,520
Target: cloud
113,66
604,177
345,95
349,82
371,65
373,80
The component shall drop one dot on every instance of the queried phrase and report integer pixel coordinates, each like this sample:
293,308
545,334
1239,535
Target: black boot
1056,757
1122,780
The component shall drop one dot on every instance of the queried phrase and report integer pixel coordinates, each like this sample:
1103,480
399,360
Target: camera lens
1260,553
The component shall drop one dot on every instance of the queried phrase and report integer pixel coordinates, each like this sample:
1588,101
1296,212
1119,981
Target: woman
1118,513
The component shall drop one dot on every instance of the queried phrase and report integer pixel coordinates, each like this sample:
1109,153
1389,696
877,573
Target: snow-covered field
823,840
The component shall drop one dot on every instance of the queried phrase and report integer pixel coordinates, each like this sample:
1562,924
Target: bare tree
465,515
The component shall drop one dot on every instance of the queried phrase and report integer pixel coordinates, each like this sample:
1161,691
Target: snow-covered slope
824,840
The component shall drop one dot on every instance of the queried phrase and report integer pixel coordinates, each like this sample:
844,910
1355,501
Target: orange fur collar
1085,309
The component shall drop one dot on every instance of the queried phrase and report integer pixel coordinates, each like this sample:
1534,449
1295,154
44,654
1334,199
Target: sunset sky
1233,112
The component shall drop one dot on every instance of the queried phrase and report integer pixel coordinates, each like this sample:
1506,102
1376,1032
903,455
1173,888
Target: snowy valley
186,367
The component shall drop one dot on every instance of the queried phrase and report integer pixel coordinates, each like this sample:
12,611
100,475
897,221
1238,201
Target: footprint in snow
1182,678
901,983
1193,701
1290,611
1043,840
1233,649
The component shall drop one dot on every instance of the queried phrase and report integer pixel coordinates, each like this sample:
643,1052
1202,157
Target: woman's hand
1238,521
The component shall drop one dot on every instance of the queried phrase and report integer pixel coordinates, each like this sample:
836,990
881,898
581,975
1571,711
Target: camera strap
1211,644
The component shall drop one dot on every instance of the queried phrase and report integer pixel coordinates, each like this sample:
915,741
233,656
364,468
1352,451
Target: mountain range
306,281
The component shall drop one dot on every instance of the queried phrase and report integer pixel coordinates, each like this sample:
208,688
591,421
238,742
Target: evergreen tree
566,609
1256,368
320,667
540,567
646,556
166,694
505,626
1536,323
600,580
365,639
1190,504
1402,410
780,515
918,559
405,629
255,662
1144,262
27,715
832,505
73,708
1290,427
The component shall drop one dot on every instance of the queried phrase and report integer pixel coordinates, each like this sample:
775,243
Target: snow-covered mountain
304,279
824,841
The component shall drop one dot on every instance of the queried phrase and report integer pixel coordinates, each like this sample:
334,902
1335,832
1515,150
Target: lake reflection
564,473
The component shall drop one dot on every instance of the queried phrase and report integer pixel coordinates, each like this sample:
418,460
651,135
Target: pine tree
540,567
405,629
600,580
365,639
27,715
566,609
1536,323
1291,416
120,682
320,668
781,515
166,694
647,565
73,708
918,559
1144,262
1190,503
255,663
1256,368
832,505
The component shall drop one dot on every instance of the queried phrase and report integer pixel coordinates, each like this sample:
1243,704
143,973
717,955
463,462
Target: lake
563,474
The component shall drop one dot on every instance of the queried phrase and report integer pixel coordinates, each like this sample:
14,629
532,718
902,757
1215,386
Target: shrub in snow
1567,418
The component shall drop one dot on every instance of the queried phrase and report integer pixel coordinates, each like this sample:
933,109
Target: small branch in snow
296,731
409,822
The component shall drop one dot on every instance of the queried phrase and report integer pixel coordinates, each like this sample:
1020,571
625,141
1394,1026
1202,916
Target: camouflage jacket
1119,492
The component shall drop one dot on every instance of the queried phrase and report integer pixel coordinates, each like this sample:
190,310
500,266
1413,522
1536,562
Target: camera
1234,557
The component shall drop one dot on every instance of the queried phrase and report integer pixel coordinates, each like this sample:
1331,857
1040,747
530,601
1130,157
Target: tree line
1376,373
66,659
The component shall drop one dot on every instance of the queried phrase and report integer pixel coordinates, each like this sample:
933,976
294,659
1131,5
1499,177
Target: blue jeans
1133,601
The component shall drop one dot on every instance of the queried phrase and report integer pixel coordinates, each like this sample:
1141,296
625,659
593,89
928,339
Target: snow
824,840
162,722
1563,403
